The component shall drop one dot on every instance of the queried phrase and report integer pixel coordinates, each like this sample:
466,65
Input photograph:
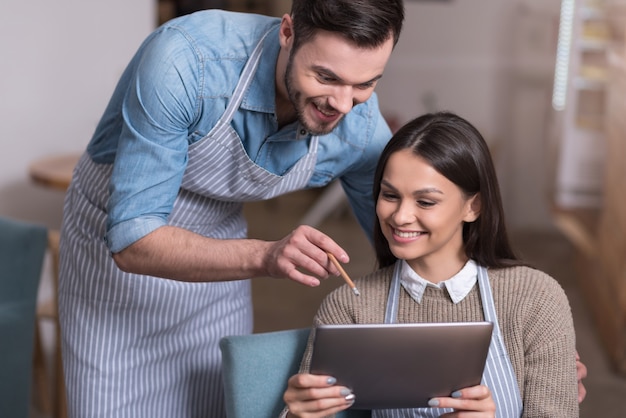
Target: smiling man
214,110
326,79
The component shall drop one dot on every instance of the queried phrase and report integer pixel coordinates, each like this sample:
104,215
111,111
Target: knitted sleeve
549,345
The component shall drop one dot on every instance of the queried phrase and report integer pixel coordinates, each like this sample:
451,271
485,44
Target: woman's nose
404,213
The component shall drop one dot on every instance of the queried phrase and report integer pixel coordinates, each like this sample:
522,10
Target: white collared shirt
458,286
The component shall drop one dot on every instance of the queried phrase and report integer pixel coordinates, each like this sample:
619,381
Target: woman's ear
473,206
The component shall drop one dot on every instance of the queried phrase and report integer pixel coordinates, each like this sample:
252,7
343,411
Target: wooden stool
55,173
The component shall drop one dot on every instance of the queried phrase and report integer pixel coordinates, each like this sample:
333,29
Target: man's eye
365,86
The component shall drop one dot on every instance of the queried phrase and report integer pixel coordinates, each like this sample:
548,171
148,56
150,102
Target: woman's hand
475,401
313,396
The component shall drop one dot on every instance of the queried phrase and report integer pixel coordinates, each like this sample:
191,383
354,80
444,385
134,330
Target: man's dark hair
366,23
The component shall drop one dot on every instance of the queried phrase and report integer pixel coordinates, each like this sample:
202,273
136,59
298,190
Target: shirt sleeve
159,106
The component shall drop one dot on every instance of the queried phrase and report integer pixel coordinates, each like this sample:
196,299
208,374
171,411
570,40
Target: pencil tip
356,291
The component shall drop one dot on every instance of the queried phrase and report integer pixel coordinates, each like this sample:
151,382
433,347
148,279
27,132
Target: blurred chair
50,392
256,368
53,172
22,250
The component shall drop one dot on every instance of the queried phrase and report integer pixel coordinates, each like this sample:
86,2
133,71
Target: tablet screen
402,365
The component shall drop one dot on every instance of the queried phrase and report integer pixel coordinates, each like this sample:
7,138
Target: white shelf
585,83
593,44
581,154
591,13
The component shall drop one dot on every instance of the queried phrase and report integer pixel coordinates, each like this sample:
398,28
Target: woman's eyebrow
417,192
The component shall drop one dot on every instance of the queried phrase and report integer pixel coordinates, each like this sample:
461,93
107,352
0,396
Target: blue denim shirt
175,89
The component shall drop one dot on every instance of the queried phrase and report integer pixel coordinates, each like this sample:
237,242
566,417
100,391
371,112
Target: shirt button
302,132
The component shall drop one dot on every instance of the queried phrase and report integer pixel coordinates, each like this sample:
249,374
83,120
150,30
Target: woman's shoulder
384,273
522,274
524,285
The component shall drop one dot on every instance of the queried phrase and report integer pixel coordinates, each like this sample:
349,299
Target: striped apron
143,347
498,376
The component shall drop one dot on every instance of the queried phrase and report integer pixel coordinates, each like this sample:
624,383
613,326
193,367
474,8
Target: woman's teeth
406,234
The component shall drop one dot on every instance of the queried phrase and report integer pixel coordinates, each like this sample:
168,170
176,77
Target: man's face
327,76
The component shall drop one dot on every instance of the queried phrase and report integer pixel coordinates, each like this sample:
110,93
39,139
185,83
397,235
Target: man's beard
295,97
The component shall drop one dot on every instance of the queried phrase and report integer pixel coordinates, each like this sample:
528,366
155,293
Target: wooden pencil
344,274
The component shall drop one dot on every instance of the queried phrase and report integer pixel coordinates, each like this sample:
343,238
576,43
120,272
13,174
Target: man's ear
285,34
473,207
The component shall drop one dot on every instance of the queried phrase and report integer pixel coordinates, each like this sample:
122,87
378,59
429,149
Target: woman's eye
425,203
388,196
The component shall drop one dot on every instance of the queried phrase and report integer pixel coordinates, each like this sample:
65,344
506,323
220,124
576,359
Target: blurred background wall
489,60
59,63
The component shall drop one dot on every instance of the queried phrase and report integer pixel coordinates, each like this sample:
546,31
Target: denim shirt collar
458,286
261,93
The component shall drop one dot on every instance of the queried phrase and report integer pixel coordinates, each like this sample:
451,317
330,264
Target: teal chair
255,371
22,250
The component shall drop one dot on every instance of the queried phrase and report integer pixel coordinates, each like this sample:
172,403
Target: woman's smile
406,235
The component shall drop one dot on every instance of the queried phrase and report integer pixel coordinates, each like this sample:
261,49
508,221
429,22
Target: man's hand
581,373
301,256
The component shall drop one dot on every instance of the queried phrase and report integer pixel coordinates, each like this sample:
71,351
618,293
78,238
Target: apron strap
499,374
220,168
244,79
391,311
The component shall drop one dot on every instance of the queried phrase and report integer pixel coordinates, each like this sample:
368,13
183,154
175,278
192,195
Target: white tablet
402,365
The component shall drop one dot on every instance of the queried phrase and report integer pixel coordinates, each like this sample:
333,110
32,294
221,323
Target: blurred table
53,172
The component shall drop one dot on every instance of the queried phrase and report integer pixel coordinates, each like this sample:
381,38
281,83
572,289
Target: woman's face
421,214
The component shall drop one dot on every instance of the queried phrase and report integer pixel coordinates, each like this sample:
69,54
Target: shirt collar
261,92
458,286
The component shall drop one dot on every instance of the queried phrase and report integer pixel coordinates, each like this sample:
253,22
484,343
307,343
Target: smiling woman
444,256
422,214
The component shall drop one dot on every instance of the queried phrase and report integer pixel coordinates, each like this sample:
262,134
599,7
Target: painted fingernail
350,397
433,402
345,392
456,394
331,380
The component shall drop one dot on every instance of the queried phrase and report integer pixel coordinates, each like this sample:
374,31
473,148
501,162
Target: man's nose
342,99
